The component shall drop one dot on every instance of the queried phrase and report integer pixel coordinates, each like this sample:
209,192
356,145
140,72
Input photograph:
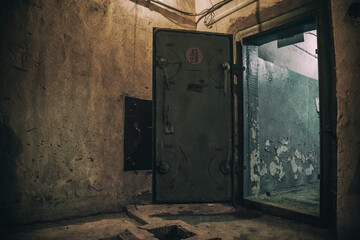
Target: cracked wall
250,15
65,66
346,32
65,69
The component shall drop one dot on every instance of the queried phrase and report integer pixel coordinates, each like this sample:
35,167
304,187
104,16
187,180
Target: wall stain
10,148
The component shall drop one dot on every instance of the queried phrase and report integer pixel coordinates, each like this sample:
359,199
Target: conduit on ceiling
209,13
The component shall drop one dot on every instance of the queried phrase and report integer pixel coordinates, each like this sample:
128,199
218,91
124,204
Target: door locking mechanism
226,69
168,128
163,62
225,167
163,167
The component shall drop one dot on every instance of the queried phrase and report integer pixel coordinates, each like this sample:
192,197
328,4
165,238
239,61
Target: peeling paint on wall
282,149
277,169
253,133
283,144
263,169
254,166
309,170
300,156
254,130
73,62
295,168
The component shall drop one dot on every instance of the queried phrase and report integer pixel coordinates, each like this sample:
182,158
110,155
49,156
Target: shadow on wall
171,16
354,188
10,149
8,8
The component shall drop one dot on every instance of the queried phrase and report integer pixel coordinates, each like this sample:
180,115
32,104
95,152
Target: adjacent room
282,139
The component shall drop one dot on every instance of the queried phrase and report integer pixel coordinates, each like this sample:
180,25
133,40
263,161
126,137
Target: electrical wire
209,19
202,14
212,10
310,33
306,51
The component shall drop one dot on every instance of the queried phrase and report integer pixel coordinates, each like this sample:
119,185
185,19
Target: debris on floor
172,222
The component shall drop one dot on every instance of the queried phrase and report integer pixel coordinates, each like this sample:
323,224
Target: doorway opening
281,118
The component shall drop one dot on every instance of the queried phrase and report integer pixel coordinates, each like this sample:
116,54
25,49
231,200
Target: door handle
225,166
226,69
163,62
163,167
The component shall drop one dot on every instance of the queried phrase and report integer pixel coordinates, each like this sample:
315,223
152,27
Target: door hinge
237,69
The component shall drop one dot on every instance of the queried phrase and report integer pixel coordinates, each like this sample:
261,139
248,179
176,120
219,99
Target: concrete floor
207,221
304,199
95,227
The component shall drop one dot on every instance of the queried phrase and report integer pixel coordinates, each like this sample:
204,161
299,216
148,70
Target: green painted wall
283,126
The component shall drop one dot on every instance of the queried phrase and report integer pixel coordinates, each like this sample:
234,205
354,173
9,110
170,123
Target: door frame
232,112
328,114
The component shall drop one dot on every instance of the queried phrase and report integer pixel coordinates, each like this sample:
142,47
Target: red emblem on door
194,55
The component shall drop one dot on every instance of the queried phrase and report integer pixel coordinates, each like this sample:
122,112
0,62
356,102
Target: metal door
193,92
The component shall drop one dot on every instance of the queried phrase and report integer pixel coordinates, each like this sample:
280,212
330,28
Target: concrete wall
347,59
251,14
300,57
65,69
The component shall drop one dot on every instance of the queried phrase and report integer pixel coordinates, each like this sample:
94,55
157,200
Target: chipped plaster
282,149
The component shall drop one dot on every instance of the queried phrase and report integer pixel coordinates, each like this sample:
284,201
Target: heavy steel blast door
193,142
